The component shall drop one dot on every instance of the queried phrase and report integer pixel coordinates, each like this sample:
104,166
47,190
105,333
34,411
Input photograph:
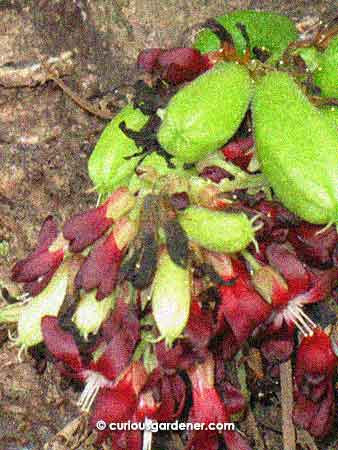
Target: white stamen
147,435
94,382
302,321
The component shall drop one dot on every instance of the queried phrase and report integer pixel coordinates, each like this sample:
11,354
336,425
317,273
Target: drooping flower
85,228
37,269
175,65
100,269
108,361
314,392
208,408
241,310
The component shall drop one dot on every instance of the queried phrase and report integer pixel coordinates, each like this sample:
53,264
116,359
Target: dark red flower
241,310
315,366
215,174
163,397
303,287
110,358
239,151
208,408
175,65
39,267
100,269
85,228
117,404
313,245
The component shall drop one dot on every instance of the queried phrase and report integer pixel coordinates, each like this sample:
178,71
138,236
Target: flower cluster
129,304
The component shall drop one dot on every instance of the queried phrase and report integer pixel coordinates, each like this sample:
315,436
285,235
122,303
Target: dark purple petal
313,245
147,59
122,332
289,266
48,233
36,265
85,228
60,343
215,174
100,270
35,287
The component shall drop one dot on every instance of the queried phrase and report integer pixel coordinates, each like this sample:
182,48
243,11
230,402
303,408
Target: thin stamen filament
301,320
94,383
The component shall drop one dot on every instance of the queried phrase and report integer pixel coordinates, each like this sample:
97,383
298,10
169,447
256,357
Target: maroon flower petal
241,308
199,329
237,151
122,331
101,268
232,397
48,233
287,263
147,59
35,287
315,357
182,64
315,248
215,174
118,404
182,355
131,440
60,343
36,265
323,420
85,228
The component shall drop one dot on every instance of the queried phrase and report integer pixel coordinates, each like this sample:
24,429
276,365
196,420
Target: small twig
80,101
32,73
289,434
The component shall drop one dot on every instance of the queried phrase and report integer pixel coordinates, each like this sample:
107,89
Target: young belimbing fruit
107,166
216,230
204,114
171,294
297,148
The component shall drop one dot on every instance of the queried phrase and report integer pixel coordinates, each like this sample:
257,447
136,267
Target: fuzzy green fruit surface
171,296
217,231
297,148
107,167
266,30
326,76
204,114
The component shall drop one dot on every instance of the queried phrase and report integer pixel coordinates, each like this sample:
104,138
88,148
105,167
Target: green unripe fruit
204,114
266,30
297,148
331,114
171,296
326,76
107,166
217,231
